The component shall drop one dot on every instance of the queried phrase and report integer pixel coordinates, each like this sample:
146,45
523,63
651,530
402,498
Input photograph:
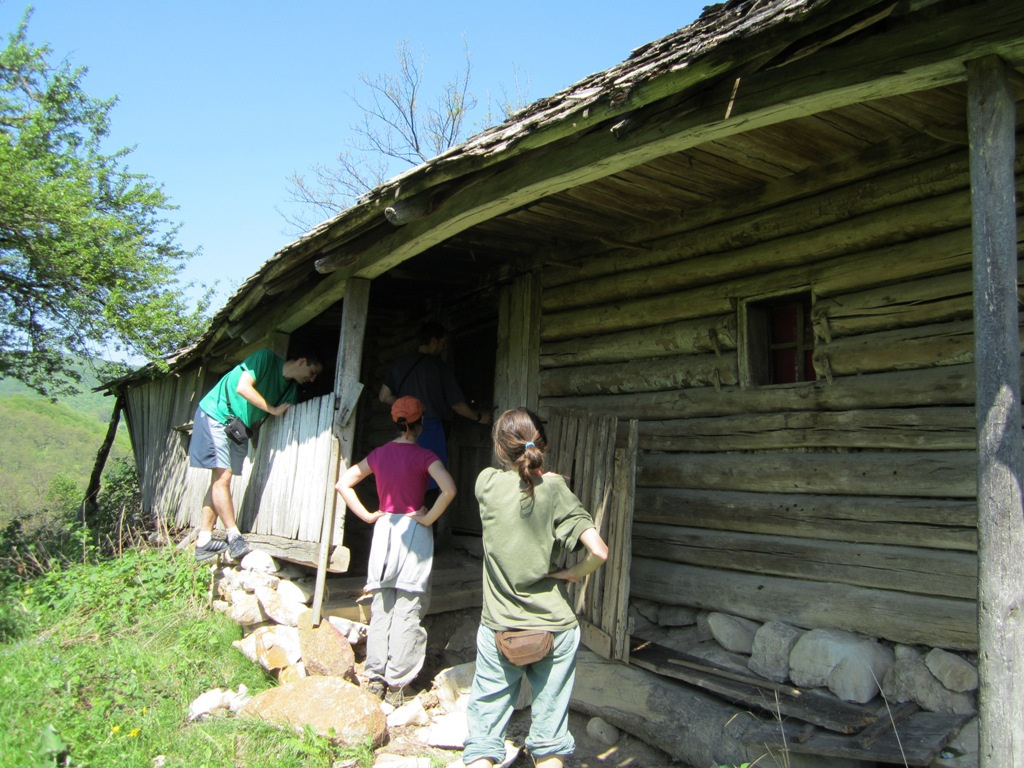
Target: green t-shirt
267,370
524,539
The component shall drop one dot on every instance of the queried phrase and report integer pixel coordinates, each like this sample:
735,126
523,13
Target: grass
105,659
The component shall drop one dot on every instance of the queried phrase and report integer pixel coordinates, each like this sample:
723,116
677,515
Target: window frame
754,358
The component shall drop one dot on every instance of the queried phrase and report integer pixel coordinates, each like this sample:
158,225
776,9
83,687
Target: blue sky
224,99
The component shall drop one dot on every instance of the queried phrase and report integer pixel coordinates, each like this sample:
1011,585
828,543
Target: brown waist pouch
524,646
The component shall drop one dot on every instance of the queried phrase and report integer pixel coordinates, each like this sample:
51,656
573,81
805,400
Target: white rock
250,581
601,730
294,591
858,678
911,680
410,713
769,655
281,610
209,703
954,672
292,572
733,633
257,560
245,608
353,631
448,731
820,651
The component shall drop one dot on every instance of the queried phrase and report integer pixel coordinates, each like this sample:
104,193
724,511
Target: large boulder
850,665
769,655
272,647
335,708
910,679
326,652
733,633
954,672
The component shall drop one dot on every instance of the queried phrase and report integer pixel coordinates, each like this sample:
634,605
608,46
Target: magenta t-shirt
402,473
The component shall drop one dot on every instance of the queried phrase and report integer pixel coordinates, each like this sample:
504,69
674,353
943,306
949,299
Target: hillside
45,440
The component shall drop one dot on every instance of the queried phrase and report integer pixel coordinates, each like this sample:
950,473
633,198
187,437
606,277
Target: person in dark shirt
425,376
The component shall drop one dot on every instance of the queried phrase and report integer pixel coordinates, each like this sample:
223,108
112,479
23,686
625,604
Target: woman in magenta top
402,551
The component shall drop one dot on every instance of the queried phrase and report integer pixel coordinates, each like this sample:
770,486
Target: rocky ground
592,749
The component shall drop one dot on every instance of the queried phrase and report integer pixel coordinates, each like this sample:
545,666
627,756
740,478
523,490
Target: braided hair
520,442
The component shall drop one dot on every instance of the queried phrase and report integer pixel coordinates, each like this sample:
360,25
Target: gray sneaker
210,549
237,548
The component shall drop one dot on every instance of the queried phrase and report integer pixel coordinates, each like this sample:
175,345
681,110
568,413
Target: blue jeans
434,438
495,691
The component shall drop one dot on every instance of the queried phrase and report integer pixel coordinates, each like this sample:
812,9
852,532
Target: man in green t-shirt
263,384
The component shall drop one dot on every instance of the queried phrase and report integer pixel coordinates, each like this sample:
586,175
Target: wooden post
991,120
347,388
516,380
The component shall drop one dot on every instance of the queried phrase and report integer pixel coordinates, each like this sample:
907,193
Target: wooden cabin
734,273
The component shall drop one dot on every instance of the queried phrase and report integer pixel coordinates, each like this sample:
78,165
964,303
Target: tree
400,128
88,261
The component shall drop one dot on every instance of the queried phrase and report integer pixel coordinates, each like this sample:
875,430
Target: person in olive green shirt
530,521
261,385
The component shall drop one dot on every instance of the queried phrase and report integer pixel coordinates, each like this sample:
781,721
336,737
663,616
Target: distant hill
44,439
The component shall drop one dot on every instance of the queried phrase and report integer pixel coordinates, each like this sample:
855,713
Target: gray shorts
210,447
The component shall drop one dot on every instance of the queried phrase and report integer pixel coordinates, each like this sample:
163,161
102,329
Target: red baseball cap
408,408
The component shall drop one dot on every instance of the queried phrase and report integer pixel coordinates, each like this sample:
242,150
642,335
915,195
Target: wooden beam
350,354
927,474
300,552
992,113
943,524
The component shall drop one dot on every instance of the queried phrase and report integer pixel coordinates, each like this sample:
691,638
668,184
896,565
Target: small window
778,343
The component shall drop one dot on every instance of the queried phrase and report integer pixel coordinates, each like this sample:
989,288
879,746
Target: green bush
31,546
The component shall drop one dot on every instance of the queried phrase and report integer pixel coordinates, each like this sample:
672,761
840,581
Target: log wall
843,502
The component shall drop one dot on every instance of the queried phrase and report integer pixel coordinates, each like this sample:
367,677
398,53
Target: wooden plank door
601,470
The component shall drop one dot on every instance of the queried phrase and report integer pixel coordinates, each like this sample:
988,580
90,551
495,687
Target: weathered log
682,238
655,707
687,337
932,474
938,523
927,255
788,234
933,429
906,348
910,302
301,552
898,568
682,371
896,616
947,385
401,212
